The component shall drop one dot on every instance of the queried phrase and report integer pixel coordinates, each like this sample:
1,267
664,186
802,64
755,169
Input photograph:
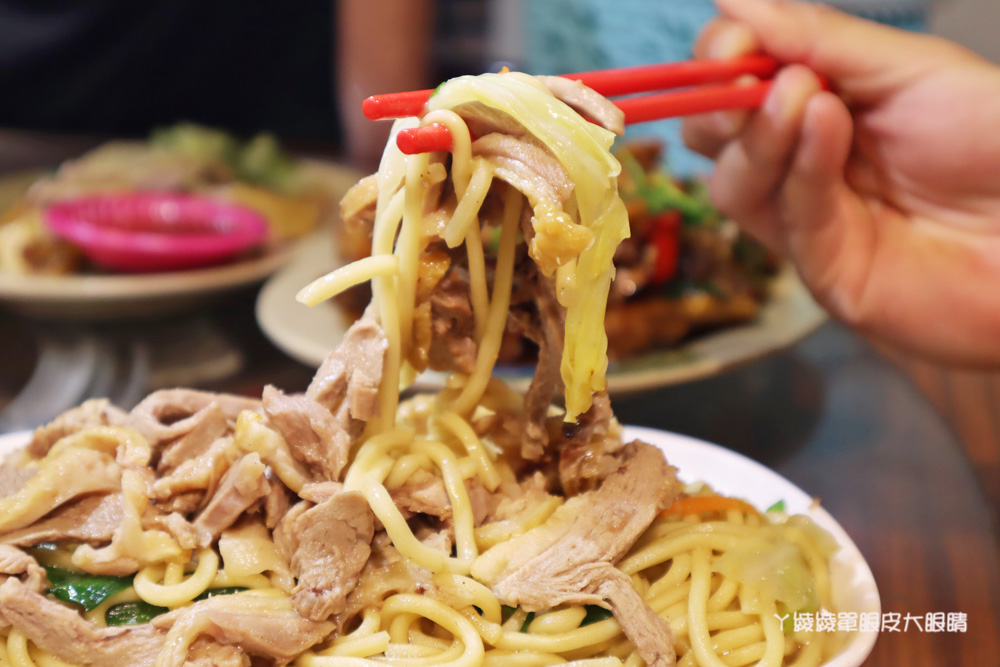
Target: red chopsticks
610,83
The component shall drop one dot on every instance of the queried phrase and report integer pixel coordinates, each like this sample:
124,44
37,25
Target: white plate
853,585
308,334
98,297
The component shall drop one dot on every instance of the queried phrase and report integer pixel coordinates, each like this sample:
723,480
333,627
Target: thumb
828,235
864,60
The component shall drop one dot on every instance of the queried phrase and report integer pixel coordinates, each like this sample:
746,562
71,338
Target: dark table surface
831,414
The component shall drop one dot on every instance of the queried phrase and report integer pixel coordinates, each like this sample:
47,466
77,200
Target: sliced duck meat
91,519
185,533
184,503
587,102
262,626
347,383
205,652
321,426
593,450
541,178
422,493
527,165
70,474
453,346
16,563
276,503
320,492
212,424
168,414
329,544
243,485
61,631
546,331
15,470
570,558
386,573
95,412
315,437
200,474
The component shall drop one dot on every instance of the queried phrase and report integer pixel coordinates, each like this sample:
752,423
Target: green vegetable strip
86,590
595,614
91,590
135,613
527,621
132,613
212,592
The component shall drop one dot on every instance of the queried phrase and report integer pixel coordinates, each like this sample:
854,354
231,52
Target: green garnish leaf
132,613
506,611
212,592
86,590
135,613
777,507
595,614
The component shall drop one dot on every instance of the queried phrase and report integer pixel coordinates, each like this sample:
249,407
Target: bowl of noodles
477,525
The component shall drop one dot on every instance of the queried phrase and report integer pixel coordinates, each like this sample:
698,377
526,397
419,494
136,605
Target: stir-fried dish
472,527
185,158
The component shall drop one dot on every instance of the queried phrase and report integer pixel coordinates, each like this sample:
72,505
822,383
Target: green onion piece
86,590
777,507
132,613
527,621
212,592
595,614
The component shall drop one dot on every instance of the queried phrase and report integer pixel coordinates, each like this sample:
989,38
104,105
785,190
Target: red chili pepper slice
665,237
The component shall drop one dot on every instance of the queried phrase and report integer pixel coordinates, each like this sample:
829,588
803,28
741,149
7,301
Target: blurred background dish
293,196
45,276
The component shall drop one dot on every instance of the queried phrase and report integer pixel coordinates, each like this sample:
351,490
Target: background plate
109,296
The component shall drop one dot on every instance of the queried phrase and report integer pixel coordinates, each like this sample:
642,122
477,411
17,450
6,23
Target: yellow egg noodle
721,578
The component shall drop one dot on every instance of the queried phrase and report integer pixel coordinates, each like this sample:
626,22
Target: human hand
885,195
